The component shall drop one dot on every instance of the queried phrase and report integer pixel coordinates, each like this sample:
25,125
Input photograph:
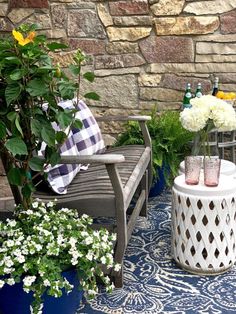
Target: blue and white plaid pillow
85,141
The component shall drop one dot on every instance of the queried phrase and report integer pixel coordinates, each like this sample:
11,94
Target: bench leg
144,186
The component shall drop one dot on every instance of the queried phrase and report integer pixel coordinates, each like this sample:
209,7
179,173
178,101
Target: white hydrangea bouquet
39,243
207,113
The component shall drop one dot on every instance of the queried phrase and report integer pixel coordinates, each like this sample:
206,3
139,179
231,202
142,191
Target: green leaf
61,137
36,127
3,131
36,163
77,124
17,123
14,176
92,95
75,69
64,118
48,135
12,116
54,45
89,76
17,74
67,89
37,87
54,158
27,190
16,146
12,92
14,60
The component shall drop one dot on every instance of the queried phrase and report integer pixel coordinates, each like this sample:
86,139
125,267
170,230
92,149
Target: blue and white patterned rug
155,284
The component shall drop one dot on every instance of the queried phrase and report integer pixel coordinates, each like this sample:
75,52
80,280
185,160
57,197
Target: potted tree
170,144
41,242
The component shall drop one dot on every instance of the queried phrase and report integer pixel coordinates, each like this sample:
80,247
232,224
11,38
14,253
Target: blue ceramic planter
13,299
159,185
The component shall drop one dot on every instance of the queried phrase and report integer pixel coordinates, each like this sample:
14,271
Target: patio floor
155,284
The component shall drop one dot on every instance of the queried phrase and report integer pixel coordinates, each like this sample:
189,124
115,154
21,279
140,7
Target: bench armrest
123,118
91,159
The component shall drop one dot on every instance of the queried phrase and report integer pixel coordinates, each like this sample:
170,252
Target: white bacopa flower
10,281
46,283
103,260
8,261
50,204
117,267
88,240
12,223
28,280
89,256
105,237
2,283
35,204
20,259
10,243
72,241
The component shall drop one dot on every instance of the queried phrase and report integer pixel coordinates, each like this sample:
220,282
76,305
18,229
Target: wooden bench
108,186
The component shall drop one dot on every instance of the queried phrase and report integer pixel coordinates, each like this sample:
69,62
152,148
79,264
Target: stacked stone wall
143,52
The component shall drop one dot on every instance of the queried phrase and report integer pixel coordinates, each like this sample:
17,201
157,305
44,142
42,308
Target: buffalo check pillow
85,141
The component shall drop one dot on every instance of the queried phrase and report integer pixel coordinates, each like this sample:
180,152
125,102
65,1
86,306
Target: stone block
210,7
89,46
172,81
167,7
123,71
85,23
129,7
18,15
127,33
115,91
121,47
133,21
59,15
118,61
228,22
161,94
3,9
186,25
167,49
104,14
28,4
215,48
171,68
149,79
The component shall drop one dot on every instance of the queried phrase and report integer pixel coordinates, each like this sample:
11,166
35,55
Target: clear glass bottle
198,90
215,86
187,97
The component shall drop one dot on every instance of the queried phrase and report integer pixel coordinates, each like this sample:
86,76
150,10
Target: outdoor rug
153,283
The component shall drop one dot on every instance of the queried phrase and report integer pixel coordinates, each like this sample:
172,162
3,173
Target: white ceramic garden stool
227,167
203,225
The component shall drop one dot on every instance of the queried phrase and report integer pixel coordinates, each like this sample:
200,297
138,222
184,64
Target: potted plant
31,86
170,144
40,242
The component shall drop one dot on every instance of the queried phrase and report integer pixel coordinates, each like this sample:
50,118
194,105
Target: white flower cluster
208,108
40,241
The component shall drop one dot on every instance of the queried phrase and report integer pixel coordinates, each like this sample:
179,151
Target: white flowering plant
207,113
40,243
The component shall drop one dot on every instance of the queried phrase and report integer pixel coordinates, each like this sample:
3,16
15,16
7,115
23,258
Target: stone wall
143,52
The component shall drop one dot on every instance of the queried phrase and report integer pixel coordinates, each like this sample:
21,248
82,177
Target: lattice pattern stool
204,225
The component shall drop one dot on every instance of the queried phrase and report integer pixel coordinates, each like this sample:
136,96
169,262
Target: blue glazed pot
160,184
13,299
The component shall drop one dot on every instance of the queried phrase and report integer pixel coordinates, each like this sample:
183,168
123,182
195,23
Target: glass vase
192,169
211,170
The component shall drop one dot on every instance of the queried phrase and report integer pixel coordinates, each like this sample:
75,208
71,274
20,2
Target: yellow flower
21,40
